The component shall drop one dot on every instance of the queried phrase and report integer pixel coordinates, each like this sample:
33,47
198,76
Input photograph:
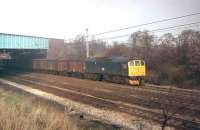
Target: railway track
142,102
186,92
135,98
140,94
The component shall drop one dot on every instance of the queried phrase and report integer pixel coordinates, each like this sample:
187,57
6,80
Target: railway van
118,69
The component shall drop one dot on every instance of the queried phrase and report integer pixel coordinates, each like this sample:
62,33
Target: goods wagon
75,66
64,67
52,65
39,65
35,65
43,65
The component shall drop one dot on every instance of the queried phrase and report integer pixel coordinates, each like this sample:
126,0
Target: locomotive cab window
142,63
137,63
131,63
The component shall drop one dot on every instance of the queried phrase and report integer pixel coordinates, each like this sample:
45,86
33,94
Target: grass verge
21,111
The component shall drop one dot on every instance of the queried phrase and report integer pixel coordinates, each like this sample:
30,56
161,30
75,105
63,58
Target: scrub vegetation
19,111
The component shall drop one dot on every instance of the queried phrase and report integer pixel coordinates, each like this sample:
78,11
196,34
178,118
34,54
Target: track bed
147,102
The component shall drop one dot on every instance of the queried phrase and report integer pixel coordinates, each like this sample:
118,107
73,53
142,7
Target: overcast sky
67,18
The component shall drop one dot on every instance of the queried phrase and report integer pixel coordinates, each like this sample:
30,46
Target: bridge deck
12,41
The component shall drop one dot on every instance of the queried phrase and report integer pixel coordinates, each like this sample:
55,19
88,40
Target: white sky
67,18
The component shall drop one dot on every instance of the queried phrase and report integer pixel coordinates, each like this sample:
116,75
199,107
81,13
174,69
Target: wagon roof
112,59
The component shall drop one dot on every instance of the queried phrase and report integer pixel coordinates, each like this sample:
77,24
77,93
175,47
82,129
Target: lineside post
87,44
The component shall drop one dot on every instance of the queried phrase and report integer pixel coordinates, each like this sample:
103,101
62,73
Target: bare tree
188,50
97,48
118,50
171,105
141,42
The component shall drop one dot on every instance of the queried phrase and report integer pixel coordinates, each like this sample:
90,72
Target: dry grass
19,112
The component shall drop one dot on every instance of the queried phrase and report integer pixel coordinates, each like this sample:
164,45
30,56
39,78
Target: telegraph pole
87,44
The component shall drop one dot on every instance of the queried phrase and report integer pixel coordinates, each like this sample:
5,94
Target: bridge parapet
12,41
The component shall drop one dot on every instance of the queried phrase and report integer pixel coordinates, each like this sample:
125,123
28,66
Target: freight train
118,69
